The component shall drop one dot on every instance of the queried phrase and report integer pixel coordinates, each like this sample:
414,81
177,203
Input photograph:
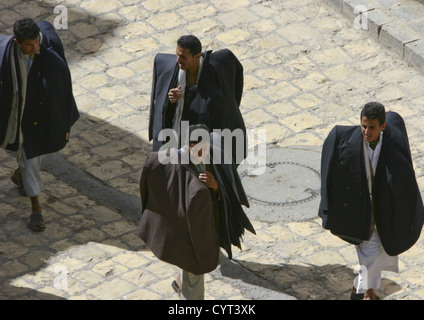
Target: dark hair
374,110
190,42
25,28
193,127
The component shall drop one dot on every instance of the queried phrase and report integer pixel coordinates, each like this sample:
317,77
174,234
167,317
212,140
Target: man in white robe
37,106
371,255
369,193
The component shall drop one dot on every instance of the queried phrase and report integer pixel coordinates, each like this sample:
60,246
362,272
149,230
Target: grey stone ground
307,68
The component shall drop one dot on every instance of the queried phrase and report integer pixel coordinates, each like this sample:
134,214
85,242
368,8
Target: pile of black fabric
232,221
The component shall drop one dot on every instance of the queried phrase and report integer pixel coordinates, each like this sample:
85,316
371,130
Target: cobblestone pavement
307,68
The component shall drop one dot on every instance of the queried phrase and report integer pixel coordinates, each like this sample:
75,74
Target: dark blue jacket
50,108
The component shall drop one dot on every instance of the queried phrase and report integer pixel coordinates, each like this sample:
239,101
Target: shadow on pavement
303,282
83,34
107,172
7,292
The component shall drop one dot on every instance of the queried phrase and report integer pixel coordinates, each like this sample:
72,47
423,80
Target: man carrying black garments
191,206
37,106
369,193
198,87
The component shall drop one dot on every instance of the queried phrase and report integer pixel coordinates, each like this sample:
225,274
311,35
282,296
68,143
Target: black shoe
176,287
356,296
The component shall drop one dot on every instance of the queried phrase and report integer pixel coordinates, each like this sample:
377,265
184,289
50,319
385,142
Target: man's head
189,49
373,121
27,35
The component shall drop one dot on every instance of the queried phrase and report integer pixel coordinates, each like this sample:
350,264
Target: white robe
30,168
371,255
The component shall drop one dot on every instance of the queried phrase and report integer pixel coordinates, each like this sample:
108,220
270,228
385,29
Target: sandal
176,285
36,222
356,296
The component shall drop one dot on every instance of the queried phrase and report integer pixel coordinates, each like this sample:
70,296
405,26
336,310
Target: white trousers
373,259
31,175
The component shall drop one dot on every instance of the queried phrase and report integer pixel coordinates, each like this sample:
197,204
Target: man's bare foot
36,222
370,295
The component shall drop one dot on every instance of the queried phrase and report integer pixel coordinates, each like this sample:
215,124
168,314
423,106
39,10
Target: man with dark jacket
37,106
191,207
369,193
198,87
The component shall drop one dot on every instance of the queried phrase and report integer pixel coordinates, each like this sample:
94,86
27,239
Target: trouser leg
31,176
373,259
192,286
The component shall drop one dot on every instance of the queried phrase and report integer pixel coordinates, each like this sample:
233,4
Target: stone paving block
217,288
100,7
364,51
301,122
414,54
336,4
237,17
160,5
298,32
234,36
327,24
226,5
9,17
396,35
325,258
88,278
302,139
389,92
412,87
111,290
307,101
310,82
280,91
409,13
253,116
142,294
29,9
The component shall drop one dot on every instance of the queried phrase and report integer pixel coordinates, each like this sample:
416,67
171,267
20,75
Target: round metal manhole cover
282,184
285,186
